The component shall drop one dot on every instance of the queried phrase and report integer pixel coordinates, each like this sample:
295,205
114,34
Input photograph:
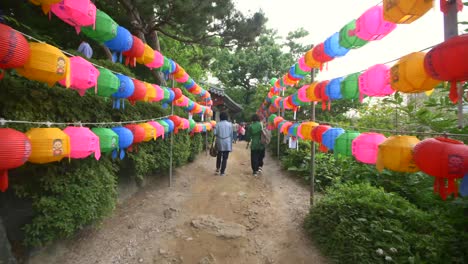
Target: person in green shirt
257,149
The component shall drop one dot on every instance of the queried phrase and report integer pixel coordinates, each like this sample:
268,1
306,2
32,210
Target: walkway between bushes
202,219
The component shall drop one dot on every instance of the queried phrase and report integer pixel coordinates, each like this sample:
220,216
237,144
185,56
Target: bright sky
322,18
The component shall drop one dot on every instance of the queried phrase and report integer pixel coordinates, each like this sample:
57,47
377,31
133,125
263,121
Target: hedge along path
203,218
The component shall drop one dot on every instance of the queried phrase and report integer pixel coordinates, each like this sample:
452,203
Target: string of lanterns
45,145
46,63
97,25
443,158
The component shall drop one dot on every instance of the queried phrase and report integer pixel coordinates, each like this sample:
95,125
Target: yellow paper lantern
150,131
405,11
310,61
396,154
306,129
45,4
150,92
408,75
180,73
310,92
48,145
46,64
148,55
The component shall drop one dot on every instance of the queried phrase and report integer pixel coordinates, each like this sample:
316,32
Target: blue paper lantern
328,138
464,186
125,140
189,83
170,123
292,72
292,130
332,46
333,89
126,89
122,42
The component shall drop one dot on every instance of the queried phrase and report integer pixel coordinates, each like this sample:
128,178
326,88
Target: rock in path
219,227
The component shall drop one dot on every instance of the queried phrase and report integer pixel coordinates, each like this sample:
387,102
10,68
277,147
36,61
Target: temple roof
230,104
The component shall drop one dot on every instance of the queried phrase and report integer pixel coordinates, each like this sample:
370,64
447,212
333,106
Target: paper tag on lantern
295,115
190,116
202,118
292,142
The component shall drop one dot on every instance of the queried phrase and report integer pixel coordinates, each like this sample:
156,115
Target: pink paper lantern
372,26
183,79
159,93
158,127
303,66
375,81
157,62
83,142
365,147
77,13
83,75
302,93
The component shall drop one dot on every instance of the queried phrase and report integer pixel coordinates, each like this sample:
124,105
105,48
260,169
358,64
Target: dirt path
202,219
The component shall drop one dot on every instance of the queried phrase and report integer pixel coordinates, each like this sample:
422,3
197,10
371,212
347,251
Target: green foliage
353,221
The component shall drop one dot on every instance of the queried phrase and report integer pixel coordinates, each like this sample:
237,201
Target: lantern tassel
453,95
3,180
122,154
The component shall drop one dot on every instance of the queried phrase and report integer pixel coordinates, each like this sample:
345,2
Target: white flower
393,250
379,251
388,258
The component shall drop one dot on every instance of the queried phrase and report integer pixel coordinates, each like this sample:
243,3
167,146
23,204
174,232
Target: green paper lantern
192,124
107,83
298,71
105,29
350,86
272,81
343,143
350,42
167,65
165,125
271,119
108,139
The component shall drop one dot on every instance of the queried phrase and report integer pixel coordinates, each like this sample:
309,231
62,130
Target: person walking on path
235,127
223,133
257,149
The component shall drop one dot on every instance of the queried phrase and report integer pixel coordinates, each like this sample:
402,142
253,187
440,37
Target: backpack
265,136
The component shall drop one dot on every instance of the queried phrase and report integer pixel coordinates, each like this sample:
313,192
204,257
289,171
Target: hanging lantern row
45,145
45,63
97,25
443,158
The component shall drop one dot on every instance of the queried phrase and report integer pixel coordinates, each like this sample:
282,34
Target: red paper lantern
139,134
177,120
14,48
319,54
442,158
320,93
448,62
15,149
139,93
317,136
177,93
137,50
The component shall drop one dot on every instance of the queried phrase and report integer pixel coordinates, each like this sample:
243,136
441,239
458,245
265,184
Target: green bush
358,223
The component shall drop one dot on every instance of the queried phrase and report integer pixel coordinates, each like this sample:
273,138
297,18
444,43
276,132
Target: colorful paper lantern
150,92
343,143
371,25
442,158
405,12
333,89
165,125
170,124
320,55
139,92
137,50
83,75
107,83
125,90
14,48
75,13
158,128
15,149
311,95
320,93
409,76
329,137
148,55
125,140
105,28
350,86
45,4
83,143
108,139
396,154
150,131
122,41
306,129
375,81
448,62
317,132
365,147
46,64
333,48
48,145
139,134
157,62
464,186
348,40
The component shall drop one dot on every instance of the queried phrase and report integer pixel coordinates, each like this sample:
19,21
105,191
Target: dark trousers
256,159
221,160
